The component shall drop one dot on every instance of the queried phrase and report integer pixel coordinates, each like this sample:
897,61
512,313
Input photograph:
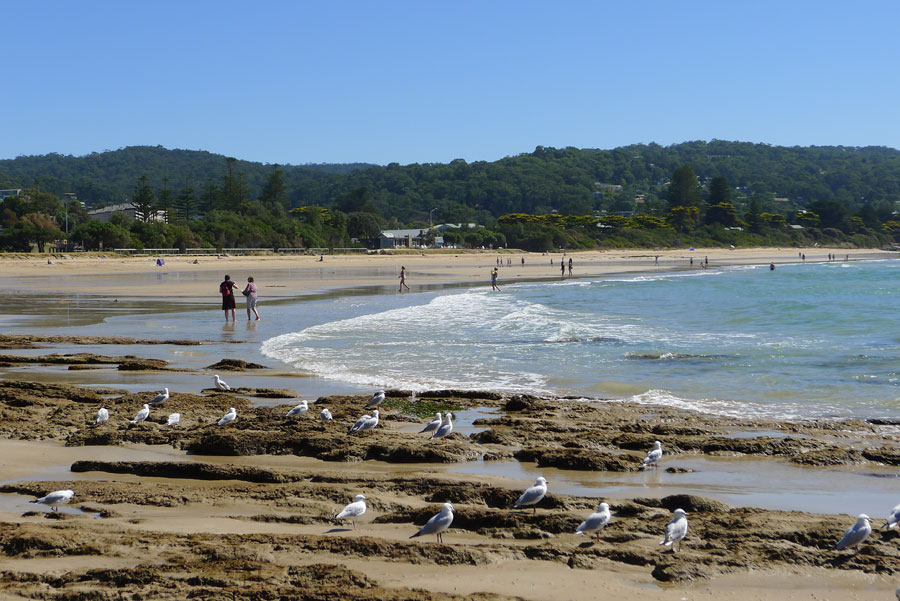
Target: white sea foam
740,409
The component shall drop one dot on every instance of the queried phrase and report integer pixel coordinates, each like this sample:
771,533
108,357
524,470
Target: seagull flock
440,427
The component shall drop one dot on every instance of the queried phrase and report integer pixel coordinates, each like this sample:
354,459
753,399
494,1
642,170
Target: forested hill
546,180
105,177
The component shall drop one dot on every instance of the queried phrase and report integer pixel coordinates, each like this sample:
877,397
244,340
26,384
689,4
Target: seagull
102,416
174,419
676,530
353,510
893,518
596,521
445,428
160,398
220,383
433,424
366,422
359,423
438,523
325,415
533,494
654,455
855,534
228,417
377,399
142,414
56,498
299,410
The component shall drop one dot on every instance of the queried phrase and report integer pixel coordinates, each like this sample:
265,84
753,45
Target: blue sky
417,82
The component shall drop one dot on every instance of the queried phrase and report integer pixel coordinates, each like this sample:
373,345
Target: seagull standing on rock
855,534
433,424
676,530
533,494
654,455
353,510
893,518
228,417
366,422
595,522
325,416
445,428
160,398
142,414
102,416
377,399
299,410
438,523
56,498
220,383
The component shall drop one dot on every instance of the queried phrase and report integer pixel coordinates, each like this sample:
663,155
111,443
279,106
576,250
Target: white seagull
445,428
102,416
228,417
353,510
299,410
596,521
142,414
366,422
377,399
676,530
533,494
56,498
325,415
855,534
160,398
437,524
220,383
173,419
433,424
893,518
654,455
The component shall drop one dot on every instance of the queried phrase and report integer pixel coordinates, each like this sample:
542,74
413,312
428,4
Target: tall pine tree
143,201
684,190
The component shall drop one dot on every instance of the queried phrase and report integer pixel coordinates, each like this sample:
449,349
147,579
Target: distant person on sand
250,291
570,266
403,279
562,268
226,289
494,285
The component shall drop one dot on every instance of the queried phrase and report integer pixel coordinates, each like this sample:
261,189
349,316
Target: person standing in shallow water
226,289
494,273
250,291
403,279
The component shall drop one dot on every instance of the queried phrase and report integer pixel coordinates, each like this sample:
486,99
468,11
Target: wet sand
166,535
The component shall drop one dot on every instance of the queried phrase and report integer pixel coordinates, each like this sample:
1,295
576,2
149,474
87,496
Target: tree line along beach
246,510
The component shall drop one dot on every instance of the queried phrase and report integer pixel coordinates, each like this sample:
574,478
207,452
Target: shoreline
298,276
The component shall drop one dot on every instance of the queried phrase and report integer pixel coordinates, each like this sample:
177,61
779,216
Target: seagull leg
534,507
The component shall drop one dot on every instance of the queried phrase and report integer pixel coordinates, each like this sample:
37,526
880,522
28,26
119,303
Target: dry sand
291,275
166,538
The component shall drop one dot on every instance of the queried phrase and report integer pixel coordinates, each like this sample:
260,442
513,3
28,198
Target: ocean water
803,341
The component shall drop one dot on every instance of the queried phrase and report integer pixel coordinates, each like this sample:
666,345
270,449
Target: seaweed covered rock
579,459
235,365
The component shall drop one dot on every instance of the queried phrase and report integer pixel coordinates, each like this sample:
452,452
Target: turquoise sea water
805,340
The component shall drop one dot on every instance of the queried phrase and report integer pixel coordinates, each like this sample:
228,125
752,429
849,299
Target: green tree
143,200
166,201
234,190
753,217
719,191
92,233
684,190
722,213
684,219
364,225
186,204
274,195
210,197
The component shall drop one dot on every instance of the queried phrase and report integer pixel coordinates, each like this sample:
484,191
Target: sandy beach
245,511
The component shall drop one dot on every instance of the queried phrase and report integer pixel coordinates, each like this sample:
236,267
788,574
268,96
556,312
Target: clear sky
420,81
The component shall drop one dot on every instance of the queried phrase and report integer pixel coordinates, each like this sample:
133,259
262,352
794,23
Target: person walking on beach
562,268
494,273
570,266
403,278
226,289
250,291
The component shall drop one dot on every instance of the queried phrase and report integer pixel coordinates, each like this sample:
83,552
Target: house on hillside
106,213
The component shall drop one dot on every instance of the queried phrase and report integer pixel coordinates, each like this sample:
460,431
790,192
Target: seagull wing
437,523
531,496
